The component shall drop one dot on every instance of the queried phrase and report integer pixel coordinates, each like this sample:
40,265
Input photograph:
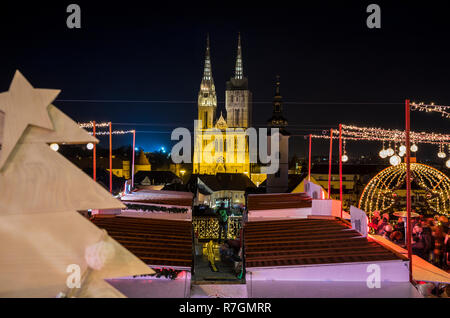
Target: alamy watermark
229,146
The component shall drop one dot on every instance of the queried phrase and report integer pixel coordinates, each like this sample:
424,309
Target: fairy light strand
422,107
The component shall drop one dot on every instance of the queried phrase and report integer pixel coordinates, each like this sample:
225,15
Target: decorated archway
383,193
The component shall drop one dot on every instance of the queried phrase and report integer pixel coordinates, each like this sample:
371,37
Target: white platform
296,289
219,291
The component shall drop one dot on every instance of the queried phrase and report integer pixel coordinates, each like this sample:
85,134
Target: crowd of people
430,236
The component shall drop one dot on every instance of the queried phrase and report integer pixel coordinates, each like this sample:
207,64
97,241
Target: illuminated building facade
221,145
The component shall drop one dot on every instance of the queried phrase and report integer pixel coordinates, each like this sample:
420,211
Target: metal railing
207,228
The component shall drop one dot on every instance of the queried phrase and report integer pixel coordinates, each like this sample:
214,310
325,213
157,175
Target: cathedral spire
239,70
207,72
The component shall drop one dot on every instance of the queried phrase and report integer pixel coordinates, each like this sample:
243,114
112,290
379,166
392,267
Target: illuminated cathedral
221,145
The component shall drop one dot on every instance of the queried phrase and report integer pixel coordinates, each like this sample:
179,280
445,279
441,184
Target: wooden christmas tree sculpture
43,239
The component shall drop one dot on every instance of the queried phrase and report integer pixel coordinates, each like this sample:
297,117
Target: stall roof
154,241
159,197
297,242
277,201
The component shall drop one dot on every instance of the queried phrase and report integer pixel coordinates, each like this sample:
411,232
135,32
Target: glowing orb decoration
402,154
383,153
414,148
395,160
402,148
90,146
390,152
447,164
54,147
380,193
442,155
344,158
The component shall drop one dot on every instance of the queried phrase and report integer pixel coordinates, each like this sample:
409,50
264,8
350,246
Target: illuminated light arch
378,195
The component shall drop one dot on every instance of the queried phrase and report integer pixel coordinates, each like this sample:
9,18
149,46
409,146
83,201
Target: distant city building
142,163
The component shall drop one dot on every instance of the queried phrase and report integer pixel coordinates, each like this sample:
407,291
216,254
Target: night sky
333,68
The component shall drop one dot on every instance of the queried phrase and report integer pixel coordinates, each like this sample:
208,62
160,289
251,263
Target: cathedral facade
221,145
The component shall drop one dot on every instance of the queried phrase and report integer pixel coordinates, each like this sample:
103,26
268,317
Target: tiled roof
154,241
307,242
278,201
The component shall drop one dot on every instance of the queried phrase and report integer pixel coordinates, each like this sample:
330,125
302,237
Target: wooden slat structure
309,241
157,197
278,201
155,241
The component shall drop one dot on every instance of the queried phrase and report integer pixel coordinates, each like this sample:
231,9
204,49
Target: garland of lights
355,133
154,208
443,110
104,125
168,273
114,132
380,192
91,125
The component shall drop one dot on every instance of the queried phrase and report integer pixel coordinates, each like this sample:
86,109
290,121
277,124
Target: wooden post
309,161
110,157
340,168
408,186
329,163
132,164
94,150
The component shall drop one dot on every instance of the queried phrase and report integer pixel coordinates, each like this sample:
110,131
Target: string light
355,133
54,147
441,154
379,194
103,125
443,110
114,132
91,125
344,156
390,151
90,146
395,160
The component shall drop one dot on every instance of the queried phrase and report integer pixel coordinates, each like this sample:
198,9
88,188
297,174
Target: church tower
238,99
278,182
277,119
207,99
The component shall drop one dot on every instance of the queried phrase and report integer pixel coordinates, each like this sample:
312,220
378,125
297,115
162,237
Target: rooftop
160,197
277,201
309,241
154,241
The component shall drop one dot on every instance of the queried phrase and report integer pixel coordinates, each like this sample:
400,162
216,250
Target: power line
219,102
